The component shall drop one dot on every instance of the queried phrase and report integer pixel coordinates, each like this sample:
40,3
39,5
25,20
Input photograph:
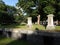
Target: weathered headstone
50,25
16,34
38,17
29,22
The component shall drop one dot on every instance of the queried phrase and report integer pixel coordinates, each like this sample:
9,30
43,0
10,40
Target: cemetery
30,23
28,32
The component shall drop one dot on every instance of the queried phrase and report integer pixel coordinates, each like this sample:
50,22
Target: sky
11,2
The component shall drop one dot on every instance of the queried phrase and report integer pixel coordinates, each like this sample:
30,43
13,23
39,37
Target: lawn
39,27
4,41
24,26
9,41
57,27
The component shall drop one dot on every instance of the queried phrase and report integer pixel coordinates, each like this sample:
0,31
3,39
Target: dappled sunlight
24,26
40,27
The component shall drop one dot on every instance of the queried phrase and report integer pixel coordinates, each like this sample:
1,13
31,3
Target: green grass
9,41
5,41
57,27
24,26
13,26
39,27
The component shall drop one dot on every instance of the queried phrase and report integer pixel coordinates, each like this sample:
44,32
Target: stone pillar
50,25
38,17
29,22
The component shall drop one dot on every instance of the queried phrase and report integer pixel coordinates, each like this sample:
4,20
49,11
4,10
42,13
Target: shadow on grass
19,42
2,37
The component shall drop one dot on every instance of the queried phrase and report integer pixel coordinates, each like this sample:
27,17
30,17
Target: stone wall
35,37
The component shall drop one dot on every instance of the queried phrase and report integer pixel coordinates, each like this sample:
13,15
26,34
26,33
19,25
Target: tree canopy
6,13
42,7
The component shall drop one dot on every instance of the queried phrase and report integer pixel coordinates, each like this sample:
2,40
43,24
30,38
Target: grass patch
9,41
39,27
24,26
5,41
57,27
13,26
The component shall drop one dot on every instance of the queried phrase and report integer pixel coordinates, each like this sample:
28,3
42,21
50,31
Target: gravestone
50,25
38,17
29,22
16,34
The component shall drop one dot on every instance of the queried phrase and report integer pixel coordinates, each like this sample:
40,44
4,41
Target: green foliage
11,9
42,7
49,10
6,13
58,13
26,6
5,18
10,41
2,5
59,4
19,18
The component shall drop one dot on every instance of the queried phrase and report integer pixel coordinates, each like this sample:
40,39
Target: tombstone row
50,24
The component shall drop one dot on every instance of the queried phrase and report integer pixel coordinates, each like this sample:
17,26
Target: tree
39,7
11,9
49,10
6,13
2,10
2,6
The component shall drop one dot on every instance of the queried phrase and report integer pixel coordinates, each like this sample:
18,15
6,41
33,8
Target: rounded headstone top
29,17
38,16
50,15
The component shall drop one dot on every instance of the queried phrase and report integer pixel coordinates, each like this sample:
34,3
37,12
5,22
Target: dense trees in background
3,11
6,13
29,8
40,7
10,15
